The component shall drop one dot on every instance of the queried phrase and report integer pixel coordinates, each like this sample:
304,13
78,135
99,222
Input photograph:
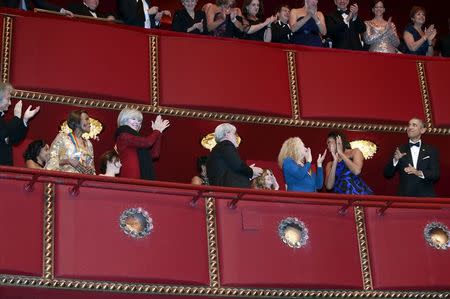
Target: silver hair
221,131
4,87
127,114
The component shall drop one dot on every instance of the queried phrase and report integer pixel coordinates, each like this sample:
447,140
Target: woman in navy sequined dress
307,24
343,173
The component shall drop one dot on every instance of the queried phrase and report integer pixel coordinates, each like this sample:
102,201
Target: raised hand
153,10
321,158
18,109
257,171
389,24
270,20
354,9
398,155
339,146
159,124
333,151
308,155
30,113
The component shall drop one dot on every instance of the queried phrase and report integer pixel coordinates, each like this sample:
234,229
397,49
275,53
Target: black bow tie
343,11
414,144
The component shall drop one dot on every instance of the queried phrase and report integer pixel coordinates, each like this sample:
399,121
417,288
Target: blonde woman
295,160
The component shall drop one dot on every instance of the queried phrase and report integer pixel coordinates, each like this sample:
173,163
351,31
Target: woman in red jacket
136,152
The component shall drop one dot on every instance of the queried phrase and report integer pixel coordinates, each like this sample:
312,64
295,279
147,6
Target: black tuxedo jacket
128,13
225,168
343,36
83,10
11,132
30,4
281,33
412,185
182,21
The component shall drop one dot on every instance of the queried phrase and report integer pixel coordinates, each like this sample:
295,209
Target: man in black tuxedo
224,166
14,131
417,163
345,26
281,32
88,8
29,4
141,13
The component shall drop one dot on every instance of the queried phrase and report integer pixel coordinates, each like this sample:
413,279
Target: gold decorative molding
211,231
6,47
48,244
154,70
133,288
363,248
425,95
293,83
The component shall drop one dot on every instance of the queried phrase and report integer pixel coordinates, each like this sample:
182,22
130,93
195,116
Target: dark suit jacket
225,168
83,10
31,3
182,21
281,33
343,36
412,185
13,131
128,13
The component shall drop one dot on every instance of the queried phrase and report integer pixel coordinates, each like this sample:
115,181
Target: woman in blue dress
295,160
307,24
418,41
343,173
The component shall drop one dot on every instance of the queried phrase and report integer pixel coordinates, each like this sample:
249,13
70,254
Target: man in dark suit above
29,4
88,8
224,166
12,132
417,163
141,13
344,26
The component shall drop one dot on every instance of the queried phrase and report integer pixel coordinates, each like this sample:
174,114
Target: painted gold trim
425,95
211,231
49,216
293,84
6,48
132,288
363,248
154,70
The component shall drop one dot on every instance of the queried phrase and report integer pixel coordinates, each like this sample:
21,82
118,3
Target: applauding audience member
223,19
137,152
37,154
189,20
343,173
140,13
110,164
266,181
295,160
281,31
254,27
13,131
307,24
344,26
381,35
88,8
71,152
202,177
224,166
416,162
417,40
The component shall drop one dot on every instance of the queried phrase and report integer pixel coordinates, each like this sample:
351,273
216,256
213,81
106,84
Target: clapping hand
353,11
159,124
398,155
18,109
333,151
308,155
339,146
389,24
270,20
257,171
30,113
199,26
321,158
411,170
153,10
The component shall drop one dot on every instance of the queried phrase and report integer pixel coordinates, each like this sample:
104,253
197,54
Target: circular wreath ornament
136,223
293,232
437,235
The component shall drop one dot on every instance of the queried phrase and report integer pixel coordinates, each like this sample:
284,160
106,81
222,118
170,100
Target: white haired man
14,131
224,166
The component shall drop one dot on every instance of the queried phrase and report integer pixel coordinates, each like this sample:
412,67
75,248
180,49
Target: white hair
222,130
127,114
3,88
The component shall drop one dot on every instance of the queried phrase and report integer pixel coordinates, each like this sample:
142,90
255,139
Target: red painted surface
399,255
439,91
252,254
91,245
21,234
